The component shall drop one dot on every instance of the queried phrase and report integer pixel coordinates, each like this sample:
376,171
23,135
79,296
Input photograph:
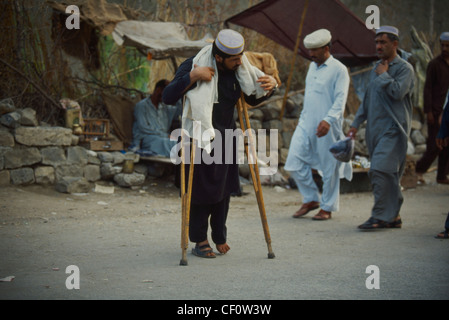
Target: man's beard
223,68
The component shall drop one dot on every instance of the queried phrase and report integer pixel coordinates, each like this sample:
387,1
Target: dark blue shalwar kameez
213,183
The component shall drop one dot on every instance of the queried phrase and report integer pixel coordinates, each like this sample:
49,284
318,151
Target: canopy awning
160,39
279,20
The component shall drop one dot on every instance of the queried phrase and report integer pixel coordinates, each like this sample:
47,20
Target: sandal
306,208
395,224
322,215
442,235
205,251
373,224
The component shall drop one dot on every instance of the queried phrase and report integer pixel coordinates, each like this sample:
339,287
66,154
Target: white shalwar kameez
325,98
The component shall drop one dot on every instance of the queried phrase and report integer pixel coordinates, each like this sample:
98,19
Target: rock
43,136
91,153
6,106
73,185
22,176
272,124
420,148
286,138
255,114
105,156
28,117
69,170
11,120
53,156
16,158
44,175
416,125
4,178
141,168
294,106
3,150
93,160
244,170
279,189
289,125
129,179
273,180
75,140
108,171
255,125
92,172
417,137
77,155
6,139
118,157
272,110
283,155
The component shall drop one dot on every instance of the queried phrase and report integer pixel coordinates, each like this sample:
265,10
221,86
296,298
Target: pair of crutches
254,169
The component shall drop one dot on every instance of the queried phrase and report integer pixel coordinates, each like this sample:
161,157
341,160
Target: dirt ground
126,245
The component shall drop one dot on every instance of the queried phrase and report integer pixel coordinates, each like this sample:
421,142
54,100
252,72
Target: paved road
126,246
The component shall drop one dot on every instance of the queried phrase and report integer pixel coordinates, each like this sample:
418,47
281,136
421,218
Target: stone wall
37,154
33,154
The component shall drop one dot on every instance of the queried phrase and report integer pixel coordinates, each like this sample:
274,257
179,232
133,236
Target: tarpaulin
161,39
279,20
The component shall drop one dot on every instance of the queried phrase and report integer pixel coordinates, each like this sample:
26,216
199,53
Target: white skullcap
444,36
317,39
388,29
230,42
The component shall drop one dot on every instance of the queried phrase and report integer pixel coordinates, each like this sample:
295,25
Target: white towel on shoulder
199,102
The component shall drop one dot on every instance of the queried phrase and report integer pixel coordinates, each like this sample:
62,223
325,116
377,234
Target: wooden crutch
186,197
254,169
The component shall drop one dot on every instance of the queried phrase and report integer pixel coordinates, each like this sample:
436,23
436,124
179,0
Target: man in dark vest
212,83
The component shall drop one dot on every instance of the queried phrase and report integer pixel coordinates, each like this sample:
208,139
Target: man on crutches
212,83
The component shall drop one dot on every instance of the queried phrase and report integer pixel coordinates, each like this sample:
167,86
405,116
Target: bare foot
223,248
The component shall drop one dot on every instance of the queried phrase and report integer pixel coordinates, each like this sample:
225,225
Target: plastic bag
343,150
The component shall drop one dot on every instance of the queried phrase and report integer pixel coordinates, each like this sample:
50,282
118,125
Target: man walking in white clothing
320,125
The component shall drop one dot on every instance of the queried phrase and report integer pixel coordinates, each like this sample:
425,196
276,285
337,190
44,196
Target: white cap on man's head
317,39
388,29
444,36
230,42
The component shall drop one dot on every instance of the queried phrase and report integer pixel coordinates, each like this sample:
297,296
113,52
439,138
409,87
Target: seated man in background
153,122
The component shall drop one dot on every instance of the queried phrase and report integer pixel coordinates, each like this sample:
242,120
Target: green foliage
125,67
